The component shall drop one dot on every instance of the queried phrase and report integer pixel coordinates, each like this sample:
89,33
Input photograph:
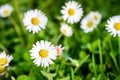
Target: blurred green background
80,47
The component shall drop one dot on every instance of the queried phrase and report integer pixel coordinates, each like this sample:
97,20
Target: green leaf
35,73
23,77
66,78
49,76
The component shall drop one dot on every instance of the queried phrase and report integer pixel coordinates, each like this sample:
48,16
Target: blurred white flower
5,59
35,20
113,25
43,52
96,16
88,24
72,12
6,10
59,49
66,30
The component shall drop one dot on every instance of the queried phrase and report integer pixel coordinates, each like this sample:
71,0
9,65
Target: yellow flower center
117,26
6,12
3,61
43,53
95,17
65,31
35,21
90,24
2,69
71,12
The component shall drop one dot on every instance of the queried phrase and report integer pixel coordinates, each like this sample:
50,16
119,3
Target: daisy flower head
113,25
66,30
43,53
72,12
5,59
59,49
35,20
96,16
6,10
88,24
2,70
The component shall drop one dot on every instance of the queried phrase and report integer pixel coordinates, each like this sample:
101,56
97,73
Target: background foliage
91,56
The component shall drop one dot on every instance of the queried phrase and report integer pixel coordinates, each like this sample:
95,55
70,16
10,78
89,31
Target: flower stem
93,63
119,49
113,57
17,30
58,39
16,4
100,55
3,48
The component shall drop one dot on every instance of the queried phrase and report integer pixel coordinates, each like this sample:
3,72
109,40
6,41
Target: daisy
43,52
113,25
2,70
88,24
59,49
96,16
6,10
72,12
66,30
35,20
5,59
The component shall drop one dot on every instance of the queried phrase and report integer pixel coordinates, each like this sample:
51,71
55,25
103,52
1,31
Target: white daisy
35,20
6,10
72,12
88,24
5,59
96,16
66,30
113,25
59,49
43,52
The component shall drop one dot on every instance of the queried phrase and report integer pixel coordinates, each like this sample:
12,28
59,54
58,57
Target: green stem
119,49
58,39
93,63
16,4
72,74
114,60
17,30
113,57
31,39
3,48
100,55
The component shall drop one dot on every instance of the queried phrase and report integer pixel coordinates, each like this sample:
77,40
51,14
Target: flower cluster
72,13
90,22
44,52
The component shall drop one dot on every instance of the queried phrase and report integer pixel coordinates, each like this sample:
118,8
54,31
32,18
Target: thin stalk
31,39
100,55
58,39
16,4
119,49
93,63
3,48
113,57
72,74
17,30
